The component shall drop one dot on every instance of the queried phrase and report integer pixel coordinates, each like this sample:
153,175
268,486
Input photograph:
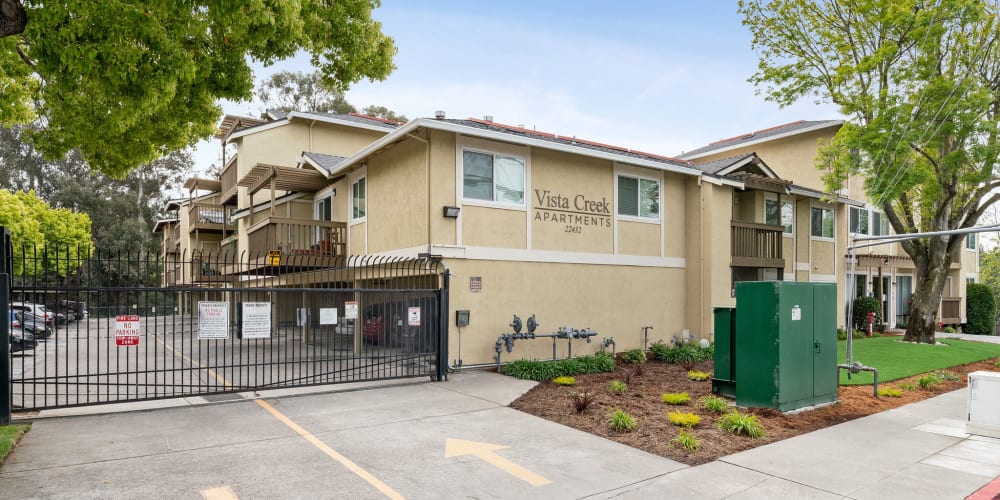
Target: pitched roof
322,162
760,136
566,140
350,119
715,166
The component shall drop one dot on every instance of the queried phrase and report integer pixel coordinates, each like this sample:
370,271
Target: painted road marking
346,462
220,493
459,447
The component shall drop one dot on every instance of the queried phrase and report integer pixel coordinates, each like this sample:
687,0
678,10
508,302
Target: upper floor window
492,177
822,222
970,241
774,217
638,197
880,224
359,204
859,220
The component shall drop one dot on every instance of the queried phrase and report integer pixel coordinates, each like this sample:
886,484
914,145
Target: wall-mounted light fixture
885,262
450,211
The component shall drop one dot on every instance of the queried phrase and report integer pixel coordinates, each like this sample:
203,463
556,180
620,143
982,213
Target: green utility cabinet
785,344
724,372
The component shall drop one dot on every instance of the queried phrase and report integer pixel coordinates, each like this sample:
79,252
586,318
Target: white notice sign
796,313
256,320
413,316
213,320
328,315
350,310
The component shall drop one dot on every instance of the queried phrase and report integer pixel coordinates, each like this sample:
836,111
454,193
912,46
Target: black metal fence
130,327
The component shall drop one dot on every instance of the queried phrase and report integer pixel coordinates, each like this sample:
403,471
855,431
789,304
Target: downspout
427,147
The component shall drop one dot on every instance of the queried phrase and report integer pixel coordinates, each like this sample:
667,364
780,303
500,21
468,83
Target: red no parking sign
127,328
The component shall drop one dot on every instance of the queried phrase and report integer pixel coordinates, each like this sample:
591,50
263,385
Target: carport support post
443,318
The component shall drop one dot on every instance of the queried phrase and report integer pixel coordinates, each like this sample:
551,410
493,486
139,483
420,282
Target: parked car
21,340
72,309
37,309
30,323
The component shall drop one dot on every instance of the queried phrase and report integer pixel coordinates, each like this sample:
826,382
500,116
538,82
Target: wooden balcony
209,217
951,310
756,245
297,237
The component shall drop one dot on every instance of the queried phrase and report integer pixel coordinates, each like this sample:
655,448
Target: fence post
442,354
6,387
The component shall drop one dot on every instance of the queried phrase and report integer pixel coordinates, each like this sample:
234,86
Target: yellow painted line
346,462
459,447
220,493
210,371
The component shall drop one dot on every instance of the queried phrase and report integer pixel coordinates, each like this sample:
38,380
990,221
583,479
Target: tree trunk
932,275
13,18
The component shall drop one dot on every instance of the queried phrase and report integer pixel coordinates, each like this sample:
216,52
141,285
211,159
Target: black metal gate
130,327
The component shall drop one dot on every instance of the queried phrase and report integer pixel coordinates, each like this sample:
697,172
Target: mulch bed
643,401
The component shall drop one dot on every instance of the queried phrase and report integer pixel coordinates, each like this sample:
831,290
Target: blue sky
658,76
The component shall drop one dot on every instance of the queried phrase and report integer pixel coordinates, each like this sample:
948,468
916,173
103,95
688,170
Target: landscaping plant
618,387
564,380
714,404
582,400
891,392
981,309
622,421
686,440
683,419
698,376
547,370
676,398
741,423
634,356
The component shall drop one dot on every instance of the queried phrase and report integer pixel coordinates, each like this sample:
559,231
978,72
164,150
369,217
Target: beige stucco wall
356,239
615,301
443,229
493,227
397,198
638,238
564,189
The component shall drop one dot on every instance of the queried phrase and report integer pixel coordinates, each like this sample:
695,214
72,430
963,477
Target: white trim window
490,177
359,199
323,208
638,197
821,222
880,224
859,221
970,241
784,218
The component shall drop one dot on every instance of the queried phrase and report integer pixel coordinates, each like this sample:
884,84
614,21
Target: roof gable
761,136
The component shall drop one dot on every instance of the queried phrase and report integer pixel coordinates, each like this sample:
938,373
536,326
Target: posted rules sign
127,328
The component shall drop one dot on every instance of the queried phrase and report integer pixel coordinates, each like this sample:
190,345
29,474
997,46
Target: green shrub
564,380
698,376
891,392
980,309
618,387
909,386
676,398
686,440
634,356
683,419
741,423
548,370
714,404
929,381
622,421
862,306
946,376
685,355
950,329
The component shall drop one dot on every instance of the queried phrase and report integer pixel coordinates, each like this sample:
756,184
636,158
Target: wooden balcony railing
228,180
209,217
297,237
951,310
756,245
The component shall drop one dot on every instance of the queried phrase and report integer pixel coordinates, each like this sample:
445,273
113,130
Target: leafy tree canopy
920,83
34,226
127,81
297,91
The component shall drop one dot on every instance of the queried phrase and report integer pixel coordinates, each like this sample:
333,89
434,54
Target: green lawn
895,360
9,434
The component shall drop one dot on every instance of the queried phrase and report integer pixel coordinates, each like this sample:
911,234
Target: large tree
126,81
920,84
298,91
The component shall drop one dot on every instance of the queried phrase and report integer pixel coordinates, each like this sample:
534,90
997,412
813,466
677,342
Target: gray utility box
784,344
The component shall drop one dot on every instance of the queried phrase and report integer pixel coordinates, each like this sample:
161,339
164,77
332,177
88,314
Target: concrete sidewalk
402,434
